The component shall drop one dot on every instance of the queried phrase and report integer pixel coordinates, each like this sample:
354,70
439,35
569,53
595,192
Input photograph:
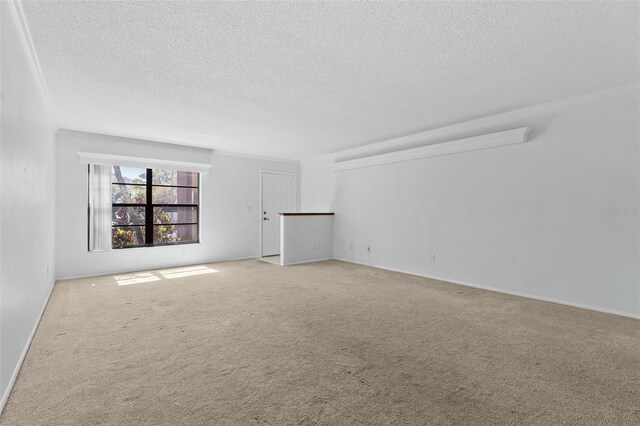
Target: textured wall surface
305,239
295,80
27,194
555,218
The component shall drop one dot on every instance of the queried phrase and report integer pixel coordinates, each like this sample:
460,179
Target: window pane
169,234
127,236
173,177
128,175
129,194
169,195
175,214
127,216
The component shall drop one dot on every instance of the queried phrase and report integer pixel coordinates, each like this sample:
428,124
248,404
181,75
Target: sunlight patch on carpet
141,277
187,271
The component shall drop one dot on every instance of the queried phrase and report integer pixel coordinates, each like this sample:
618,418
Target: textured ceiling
297,79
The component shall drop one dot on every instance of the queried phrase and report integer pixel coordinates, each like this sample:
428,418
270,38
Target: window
152,207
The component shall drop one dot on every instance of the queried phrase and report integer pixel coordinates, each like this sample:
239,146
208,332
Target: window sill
145,247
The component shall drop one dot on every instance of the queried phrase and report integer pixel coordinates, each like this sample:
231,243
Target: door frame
295,196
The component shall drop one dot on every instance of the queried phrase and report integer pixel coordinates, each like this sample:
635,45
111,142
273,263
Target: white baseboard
504,291
307,261
129,271
23,355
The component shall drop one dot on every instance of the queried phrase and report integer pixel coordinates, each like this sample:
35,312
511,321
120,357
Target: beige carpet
327,343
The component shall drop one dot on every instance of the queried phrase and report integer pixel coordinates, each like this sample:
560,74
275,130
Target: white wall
27,194
533,219
228,231
318,183
305,238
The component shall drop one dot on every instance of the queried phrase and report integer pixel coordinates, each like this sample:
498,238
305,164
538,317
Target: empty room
319,212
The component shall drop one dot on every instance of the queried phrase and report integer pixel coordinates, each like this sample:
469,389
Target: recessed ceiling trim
400,142
492,140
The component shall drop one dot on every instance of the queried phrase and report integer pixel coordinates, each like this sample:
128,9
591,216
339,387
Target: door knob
265,218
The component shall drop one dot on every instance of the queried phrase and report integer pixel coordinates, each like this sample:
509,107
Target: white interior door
278,196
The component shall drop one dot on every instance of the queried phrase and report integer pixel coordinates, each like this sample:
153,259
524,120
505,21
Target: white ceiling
294,80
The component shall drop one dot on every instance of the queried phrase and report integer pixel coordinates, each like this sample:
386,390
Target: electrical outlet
433,258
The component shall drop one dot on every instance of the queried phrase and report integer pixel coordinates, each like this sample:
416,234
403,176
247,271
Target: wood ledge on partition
307,214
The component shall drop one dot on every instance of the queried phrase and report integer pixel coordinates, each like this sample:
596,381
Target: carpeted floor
246,342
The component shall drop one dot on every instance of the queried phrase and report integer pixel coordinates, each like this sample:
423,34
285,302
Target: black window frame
149,205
